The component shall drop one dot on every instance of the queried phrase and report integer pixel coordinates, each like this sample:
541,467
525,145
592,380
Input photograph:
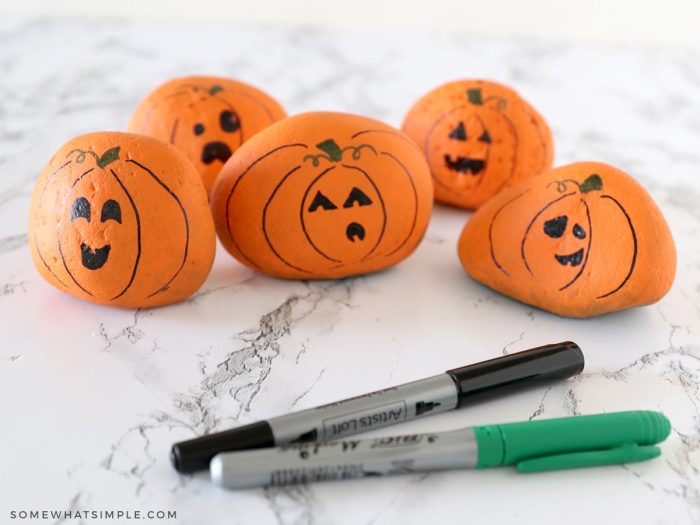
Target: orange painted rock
580,240
323,195
121,219
207,118
478,137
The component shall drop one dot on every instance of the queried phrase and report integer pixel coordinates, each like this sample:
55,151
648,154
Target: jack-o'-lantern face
555,229
460,145
565,238
207,128
343,214
305,208
558,241
478,137
116,229
206,118
467,150
98,234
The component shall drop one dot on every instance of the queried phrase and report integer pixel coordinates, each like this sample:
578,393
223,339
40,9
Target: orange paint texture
121,219
580,240
323,195
478,137
207,118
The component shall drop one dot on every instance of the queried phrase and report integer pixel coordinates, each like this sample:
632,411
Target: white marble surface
93,397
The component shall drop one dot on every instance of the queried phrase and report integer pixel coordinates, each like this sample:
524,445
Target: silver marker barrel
347,459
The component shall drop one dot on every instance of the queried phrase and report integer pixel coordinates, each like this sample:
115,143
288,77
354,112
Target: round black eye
556,227
80,208
198,129
229,121
579,232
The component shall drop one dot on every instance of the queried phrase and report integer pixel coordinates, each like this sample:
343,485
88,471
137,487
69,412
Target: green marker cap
573,442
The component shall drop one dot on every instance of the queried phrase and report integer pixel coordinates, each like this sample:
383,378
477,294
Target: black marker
386,407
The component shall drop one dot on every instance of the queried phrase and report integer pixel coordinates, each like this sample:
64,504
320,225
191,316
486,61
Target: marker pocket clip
627,453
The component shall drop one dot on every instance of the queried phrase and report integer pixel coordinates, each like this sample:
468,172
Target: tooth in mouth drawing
94,259
555,228
465,165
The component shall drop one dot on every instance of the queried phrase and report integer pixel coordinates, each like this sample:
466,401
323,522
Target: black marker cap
503,374
195,454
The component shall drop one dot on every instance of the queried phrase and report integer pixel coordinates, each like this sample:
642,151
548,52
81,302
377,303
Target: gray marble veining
93,397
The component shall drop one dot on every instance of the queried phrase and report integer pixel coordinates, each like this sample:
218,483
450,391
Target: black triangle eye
556,227
111,211
80,208
485,137
357,196
229,121
321,201
459,133
579,232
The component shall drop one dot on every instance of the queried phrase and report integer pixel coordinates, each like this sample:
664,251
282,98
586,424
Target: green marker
532,446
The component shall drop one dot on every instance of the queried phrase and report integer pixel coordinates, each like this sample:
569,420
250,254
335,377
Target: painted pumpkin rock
478,137
581,240
121,219
207,118
323,195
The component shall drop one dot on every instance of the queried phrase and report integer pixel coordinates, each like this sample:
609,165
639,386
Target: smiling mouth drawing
94,259
464,165
574,259
355,230
215,151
